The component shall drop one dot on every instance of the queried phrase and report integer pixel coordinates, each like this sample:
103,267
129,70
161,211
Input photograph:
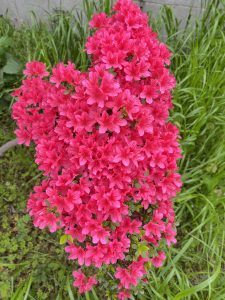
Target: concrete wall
181,8
20,9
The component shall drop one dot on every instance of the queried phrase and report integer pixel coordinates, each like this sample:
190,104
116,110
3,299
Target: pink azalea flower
84,283
98,21
150,92
130,226
158,260
126,280
165,54
94,255
76,253
99,89
24,137
114,59
170,234
35,68
167,82
128,154
108,200
135,71
144,123
124,295
129,277
110,122
62,73
84,122
73,197
100,235
154,228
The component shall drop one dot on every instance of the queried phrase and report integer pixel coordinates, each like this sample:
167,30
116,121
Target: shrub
108,152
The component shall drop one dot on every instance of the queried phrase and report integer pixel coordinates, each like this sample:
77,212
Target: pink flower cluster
106,148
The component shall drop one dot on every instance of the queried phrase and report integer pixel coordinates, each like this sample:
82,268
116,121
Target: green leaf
68,287
4,44
12,66
65,238
142,249
22,292
148,266
94,294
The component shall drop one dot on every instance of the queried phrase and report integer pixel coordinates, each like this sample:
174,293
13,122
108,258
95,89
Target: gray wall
20,9
181,8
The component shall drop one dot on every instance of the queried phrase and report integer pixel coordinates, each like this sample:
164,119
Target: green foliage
199,108
10,67
32,262
61,38
24,251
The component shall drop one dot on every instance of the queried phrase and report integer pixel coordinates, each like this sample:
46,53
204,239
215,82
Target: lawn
33,264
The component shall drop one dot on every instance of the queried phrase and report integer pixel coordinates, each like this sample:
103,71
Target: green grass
33,262
196,269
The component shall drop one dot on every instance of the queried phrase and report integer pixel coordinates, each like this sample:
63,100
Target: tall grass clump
199,100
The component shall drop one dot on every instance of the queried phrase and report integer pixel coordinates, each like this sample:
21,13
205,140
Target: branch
7,146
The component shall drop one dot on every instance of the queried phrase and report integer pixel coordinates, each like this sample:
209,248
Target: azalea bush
107,151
